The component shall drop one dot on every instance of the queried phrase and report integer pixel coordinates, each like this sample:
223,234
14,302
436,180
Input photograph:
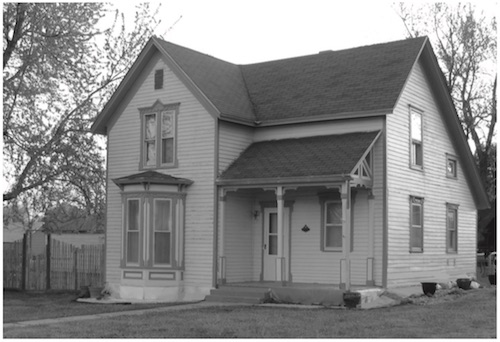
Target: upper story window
451,166
158,134
416,128
416,224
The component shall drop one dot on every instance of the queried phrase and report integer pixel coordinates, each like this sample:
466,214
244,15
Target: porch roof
310,159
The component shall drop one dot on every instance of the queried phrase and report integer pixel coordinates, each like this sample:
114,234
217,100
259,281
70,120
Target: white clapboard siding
378,209
233,140
195,152
431,184
238,238
318,128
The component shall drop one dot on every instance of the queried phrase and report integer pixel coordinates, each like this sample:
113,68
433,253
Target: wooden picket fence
69,267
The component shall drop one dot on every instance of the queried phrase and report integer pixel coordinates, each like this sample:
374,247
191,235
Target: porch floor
256,292
277,284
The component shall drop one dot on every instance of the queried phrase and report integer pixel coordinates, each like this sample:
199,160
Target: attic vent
159,79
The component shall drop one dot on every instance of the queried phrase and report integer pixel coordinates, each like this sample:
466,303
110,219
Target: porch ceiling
311,159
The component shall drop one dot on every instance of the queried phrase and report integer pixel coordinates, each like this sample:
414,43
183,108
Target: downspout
215,251
385,214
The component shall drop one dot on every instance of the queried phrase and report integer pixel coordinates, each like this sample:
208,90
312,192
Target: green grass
26,306
472,315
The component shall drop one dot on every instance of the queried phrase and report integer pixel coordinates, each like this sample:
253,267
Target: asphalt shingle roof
368,78
301,157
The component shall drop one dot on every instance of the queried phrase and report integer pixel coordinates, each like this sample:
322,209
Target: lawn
25,306
472,315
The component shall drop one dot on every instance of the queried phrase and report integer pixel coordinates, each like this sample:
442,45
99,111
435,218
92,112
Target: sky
244,32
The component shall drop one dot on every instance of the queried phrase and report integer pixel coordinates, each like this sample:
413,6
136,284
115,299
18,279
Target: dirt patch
441,296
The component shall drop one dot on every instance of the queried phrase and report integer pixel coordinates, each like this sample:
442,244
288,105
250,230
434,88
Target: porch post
222,221
280,260
346,233
370,258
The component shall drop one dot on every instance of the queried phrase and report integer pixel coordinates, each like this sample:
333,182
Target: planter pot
463,283
84,292
493,279
351,299
429,288
95,292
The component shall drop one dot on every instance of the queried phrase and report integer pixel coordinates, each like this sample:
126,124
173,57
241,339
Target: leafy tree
464,39
61,64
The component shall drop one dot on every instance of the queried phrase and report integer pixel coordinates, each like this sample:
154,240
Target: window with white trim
451,166
416,129
416,224
158,135
153,231
333,225
331,234
451,227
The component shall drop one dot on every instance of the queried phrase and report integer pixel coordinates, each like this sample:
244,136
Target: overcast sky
252,31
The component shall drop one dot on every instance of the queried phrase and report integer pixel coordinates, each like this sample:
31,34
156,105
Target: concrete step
237,294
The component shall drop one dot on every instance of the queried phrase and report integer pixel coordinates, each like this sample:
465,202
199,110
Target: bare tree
61,64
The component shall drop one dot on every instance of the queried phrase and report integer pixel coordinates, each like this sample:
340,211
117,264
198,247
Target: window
159,79
132,231
151,231
416,224
451,166
451,227
333,226
416,139
159,136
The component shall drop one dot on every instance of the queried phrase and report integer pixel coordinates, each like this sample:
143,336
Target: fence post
47,261
76,268
24,268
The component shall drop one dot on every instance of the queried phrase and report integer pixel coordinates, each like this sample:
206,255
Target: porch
258,292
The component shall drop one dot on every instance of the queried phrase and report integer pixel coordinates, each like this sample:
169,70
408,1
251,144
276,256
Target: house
346,168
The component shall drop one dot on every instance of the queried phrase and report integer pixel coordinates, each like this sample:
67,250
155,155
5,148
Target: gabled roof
360,81
302,159
350,83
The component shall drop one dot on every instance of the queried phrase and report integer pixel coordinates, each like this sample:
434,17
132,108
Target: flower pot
493,279
463,283
84,292
351,299
429,288
95,292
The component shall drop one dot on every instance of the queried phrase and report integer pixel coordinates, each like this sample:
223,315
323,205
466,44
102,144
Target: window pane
452,219
133,215
150,153
133,247
334,213
452,240
167,150
162,248
452,167
416,215
273,245
333,236
417,153
150,127
167,120
416,238
162,215
273,223
416,126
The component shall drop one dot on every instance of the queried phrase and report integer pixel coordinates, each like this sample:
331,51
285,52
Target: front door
271,240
